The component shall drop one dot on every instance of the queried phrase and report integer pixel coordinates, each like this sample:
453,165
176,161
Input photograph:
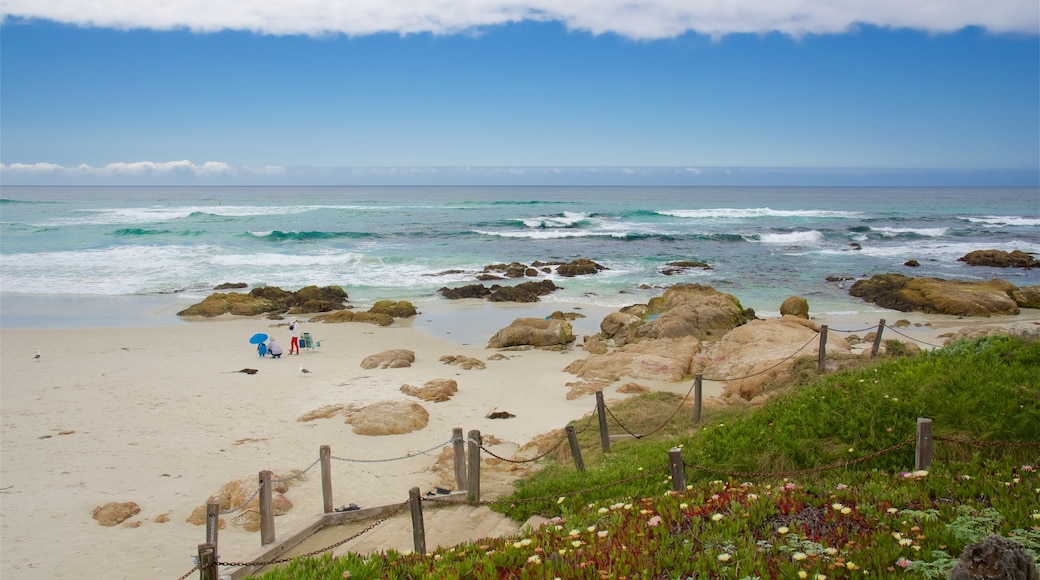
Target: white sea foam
792,239
567,220
892,232
158,214
745,213
1005,220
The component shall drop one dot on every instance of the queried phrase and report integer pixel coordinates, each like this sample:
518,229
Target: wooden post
823,347
601,410
572,437
923,456
698,395
325,458
877,338
458,444
212,522
678,469
207,562
418,527
266,509
473,467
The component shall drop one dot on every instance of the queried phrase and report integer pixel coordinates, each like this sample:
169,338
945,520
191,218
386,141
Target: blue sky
358,92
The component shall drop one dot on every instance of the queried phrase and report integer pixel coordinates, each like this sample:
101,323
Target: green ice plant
878,517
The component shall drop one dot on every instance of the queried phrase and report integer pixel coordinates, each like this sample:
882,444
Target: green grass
749,509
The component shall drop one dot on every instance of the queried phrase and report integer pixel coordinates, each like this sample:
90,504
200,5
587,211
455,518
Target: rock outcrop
269,299
938,296
1000,259
763,351
389,418
995,558
536,332
389,359
795,306
666,359
114,513
684,310
435,391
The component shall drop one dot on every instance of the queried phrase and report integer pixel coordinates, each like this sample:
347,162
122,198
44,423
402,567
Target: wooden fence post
212,522
923,456
458,445
266,509
678,469
877,338
823,347
698,395
473,467
601,410
207,562
325,458
572,437
418,527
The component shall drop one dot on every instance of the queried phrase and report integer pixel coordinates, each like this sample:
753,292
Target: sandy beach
161,416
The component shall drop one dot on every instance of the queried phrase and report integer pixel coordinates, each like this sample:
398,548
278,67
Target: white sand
158,416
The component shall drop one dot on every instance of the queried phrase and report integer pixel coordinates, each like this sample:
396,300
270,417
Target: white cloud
638,19
136,168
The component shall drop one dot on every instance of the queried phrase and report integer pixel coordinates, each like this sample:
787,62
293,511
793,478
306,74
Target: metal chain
190,572
298,475
408,456
763,371
852,331
531,460
913,339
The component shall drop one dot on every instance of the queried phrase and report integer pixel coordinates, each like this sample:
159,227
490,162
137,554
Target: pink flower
903,563
654,521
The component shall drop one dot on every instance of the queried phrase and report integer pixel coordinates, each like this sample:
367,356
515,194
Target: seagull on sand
37,356
303,371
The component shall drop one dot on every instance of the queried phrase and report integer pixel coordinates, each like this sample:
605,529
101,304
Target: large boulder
399,309
377,318
114,513
267,299
579,267
1027,296
795,306
436,391
746,352
938,296
657,360
389,418
389,359
684,310
995,558
1000,259
536,332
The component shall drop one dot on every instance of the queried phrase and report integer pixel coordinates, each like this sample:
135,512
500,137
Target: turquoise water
763,244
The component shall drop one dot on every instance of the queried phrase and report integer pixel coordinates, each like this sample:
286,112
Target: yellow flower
576,543
798,556
803,574
717,517
535,559
846,510
603,533
783,529
724,557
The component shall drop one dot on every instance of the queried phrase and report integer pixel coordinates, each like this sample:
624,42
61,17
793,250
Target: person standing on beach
294,345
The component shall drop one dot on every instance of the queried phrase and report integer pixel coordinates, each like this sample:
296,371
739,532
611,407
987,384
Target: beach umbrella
258,338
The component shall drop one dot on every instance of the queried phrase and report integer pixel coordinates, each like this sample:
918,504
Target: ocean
126,256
